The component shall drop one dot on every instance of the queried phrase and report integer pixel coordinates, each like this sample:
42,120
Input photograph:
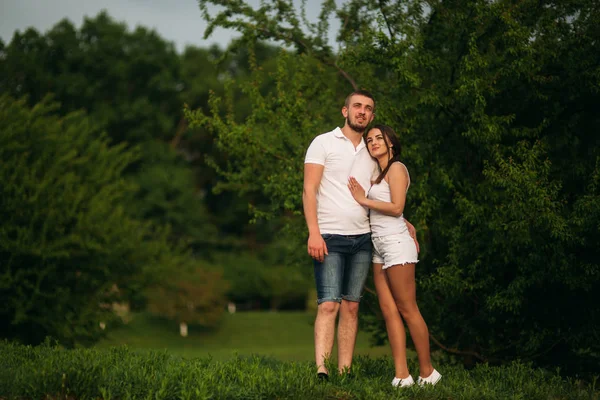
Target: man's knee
350,308
328,308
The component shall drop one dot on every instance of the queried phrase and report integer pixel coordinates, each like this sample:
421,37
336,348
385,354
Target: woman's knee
389,311
408,309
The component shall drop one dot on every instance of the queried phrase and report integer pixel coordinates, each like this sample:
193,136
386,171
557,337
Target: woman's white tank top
381,224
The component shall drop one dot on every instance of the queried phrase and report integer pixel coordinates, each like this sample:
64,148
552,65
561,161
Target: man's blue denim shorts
343,272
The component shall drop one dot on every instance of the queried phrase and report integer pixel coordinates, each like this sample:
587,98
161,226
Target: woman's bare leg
393,321
401,280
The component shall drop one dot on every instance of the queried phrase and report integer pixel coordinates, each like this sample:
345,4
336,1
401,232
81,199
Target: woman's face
376,143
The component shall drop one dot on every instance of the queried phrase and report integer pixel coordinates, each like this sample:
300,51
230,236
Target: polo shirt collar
339,134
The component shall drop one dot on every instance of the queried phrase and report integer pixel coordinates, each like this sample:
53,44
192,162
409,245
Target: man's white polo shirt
337,211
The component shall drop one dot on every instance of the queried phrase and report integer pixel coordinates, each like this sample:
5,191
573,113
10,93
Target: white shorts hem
399,263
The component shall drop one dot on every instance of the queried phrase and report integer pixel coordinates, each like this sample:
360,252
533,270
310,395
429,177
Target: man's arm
312,180
413,233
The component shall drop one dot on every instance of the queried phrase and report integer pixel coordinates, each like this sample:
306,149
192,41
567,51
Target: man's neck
352,135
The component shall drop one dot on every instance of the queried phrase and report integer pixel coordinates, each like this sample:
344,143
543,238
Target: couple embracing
354,194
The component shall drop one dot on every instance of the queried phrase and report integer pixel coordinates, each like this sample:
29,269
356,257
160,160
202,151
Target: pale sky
178,21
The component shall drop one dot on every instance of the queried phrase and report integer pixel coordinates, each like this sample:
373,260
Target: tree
133,86
68,248
130,85
495,103
206,71
128,82
248,252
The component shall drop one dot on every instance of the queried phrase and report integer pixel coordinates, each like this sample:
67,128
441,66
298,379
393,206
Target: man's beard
354,127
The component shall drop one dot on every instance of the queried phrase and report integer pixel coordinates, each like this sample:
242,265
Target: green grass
48,372
252,355
286,336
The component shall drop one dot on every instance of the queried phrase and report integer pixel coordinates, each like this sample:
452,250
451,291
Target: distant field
286,336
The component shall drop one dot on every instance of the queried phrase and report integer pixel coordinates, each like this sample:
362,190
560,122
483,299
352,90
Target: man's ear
345,111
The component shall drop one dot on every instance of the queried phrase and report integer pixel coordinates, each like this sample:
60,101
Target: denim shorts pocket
326,236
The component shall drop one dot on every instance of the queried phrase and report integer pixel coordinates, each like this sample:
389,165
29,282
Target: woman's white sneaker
397,382
430,380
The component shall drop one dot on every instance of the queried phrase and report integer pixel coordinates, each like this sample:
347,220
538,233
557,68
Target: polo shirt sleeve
375,172
316,153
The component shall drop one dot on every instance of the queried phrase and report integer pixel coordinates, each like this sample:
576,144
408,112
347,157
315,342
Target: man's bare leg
325,332
347,329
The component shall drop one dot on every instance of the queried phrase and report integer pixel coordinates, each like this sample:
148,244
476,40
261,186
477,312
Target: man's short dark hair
360,93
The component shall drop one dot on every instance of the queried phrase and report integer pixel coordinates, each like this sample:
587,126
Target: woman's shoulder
397,172
398,167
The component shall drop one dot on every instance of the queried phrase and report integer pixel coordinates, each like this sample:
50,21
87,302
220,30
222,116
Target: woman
394,255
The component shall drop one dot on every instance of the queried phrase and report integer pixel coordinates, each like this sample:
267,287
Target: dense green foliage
38,372
68,248
127,81
130,85
495,103
131,88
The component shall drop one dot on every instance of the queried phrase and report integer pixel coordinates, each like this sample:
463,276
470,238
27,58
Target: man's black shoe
323,376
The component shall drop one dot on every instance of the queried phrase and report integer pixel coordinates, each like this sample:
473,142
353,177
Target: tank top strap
407,173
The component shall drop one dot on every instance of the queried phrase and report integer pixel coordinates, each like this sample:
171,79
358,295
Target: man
339,233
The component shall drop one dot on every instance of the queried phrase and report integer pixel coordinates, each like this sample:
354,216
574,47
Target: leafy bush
193,296
266,278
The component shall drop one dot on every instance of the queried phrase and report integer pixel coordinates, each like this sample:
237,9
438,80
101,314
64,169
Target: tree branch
293,39
545,351
368,289
387,23
181,127
457,351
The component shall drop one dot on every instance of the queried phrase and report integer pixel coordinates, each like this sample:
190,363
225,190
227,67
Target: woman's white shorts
397,249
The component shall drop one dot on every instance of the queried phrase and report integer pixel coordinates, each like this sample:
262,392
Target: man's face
359,113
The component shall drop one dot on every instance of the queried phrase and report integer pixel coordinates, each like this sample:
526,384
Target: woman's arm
398,181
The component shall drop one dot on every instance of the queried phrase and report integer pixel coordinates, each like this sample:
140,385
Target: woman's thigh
382,286
402,284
